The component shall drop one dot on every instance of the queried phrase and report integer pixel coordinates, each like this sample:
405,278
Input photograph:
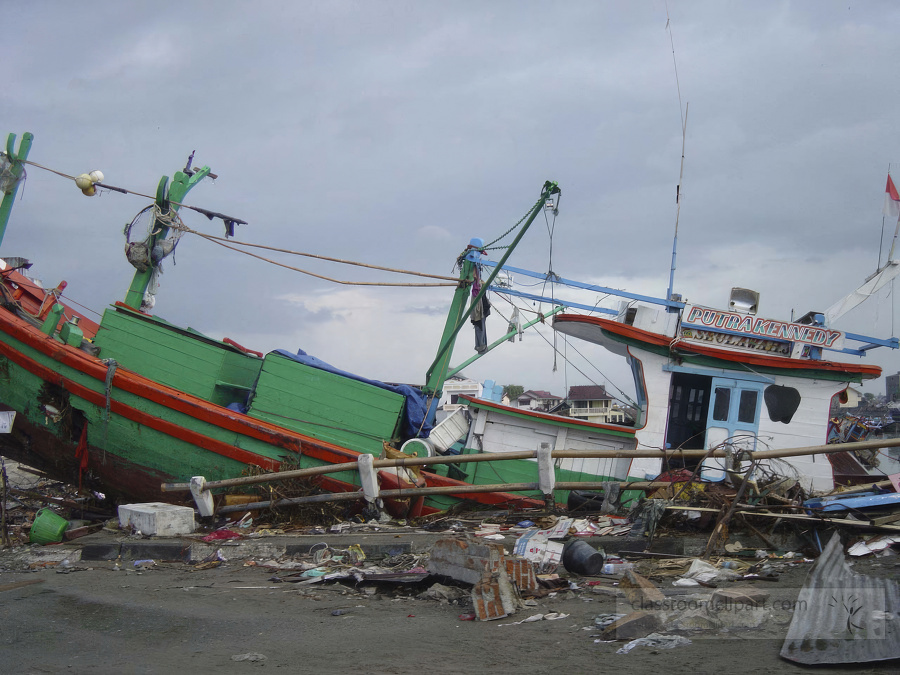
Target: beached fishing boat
132,402
711,378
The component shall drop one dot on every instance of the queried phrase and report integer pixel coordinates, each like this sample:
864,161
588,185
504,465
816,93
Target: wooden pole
16,158
793,516
4,534
531,454
726,518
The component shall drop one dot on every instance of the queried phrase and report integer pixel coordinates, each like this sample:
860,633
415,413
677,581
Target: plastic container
579,557
617,568
418,447
450,430
47,528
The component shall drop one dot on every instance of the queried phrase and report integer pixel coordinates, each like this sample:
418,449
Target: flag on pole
891,200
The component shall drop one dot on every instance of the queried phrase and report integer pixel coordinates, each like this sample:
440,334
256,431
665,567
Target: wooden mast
165,195
437,372
16,169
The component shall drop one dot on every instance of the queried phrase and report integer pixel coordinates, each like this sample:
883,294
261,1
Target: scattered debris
252,657
656,641
550,616
634,625
873,545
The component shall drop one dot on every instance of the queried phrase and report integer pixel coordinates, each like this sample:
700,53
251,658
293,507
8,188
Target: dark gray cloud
393,132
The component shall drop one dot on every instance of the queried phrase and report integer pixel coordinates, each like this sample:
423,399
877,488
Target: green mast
456,318
13,172
168,199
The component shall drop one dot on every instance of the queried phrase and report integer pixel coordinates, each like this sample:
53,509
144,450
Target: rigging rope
206,212
323,257
313,274
176,224
487,247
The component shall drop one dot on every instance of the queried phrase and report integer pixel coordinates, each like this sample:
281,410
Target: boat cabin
707,378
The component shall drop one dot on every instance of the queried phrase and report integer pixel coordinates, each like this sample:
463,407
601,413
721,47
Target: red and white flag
891,200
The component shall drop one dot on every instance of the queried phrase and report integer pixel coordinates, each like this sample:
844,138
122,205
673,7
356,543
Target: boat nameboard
751,332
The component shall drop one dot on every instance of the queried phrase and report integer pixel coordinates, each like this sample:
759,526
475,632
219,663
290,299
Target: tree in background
513,391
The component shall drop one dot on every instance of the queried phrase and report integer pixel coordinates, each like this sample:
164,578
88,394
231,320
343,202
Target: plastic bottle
617,568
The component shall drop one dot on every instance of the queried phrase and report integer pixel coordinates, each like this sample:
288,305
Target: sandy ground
90,617
171,617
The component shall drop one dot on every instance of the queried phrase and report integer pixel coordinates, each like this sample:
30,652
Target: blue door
733,420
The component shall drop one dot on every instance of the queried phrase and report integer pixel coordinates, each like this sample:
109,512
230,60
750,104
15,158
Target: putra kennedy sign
704,318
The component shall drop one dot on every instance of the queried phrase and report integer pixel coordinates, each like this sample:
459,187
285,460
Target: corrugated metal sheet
843,617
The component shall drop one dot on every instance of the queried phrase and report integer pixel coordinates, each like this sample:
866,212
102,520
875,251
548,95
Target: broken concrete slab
486,567
698,618
521,574
465,559
738,598
494,596
640,591
634,625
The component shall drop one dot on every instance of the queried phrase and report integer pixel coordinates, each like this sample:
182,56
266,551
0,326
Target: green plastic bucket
48,527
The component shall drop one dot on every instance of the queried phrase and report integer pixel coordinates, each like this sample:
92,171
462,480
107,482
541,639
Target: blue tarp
414,412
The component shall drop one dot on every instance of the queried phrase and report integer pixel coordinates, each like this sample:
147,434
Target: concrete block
100,551
484,565
155,550
739,607
697,618
156,518
739,598
634,625
641,592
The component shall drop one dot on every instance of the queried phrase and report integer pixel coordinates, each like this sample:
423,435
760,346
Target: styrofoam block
156,518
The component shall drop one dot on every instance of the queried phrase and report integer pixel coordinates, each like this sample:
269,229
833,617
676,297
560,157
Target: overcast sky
393,132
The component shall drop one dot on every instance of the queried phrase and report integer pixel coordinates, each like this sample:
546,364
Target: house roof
588,393
537,393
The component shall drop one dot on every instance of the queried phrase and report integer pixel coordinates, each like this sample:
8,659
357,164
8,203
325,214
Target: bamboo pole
793,516
531,454
4,533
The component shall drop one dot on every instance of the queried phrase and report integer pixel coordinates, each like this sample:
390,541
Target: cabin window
721,404
676,401
637,371
781,403
454,399
747,406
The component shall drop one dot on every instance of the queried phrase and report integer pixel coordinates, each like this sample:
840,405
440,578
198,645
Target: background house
535,399
591,403
455,387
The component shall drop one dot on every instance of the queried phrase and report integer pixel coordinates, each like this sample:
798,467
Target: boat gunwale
558,420
192,406
628,334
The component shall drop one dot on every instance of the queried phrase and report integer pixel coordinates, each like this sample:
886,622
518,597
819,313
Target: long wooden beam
793,516
531,454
